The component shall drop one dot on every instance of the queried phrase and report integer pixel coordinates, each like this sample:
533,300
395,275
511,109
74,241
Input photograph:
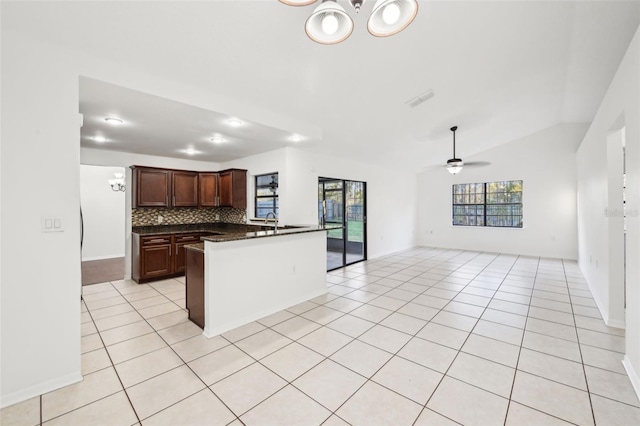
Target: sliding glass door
343,203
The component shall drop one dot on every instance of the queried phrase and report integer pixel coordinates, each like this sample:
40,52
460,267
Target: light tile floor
425,336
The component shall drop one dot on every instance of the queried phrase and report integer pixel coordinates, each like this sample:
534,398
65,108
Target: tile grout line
157,375
584,369
524,332
468,335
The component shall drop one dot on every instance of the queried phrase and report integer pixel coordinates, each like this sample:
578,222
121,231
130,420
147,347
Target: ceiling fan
454,165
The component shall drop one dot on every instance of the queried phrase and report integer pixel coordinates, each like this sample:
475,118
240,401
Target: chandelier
330,24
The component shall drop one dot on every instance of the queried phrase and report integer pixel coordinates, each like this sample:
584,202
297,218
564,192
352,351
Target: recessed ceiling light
296,138
234,122
190,151
217,139
99,139
113,120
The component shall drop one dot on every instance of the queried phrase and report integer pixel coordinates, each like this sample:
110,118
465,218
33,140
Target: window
496,204
266,195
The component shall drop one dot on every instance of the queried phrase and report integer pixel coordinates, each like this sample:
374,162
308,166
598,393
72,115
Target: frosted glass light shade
316,30
454,165
383,22
298,2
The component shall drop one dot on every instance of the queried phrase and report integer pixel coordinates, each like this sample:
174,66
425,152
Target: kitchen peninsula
243,277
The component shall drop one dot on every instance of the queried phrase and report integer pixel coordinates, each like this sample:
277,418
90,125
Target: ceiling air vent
420,98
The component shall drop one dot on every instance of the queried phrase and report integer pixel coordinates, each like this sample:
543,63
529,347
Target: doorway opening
617,227
342,203
102,214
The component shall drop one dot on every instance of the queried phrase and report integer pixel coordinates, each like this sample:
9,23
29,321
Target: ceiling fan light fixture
454,165
389,17
329,23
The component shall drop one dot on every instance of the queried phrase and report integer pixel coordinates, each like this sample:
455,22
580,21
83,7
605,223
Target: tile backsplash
182,215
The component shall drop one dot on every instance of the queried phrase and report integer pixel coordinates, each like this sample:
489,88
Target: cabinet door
156,260
208,189
185,189
179,253
152,187
225,189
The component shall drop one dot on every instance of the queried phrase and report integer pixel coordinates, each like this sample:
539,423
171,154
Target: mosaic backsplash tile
182,215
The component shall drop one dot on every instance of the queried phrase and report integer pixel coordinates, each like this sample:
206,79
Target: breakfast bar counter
247,276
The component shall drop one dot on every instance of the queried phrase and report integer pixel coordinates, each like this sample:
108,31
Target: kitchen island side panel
246,280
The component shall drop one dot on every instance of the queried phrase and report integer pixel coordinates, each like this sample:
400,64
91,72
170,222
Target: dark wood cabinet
184,189
159,256
208,189
154,256
227,188
151,187
179,261
195,286
232,187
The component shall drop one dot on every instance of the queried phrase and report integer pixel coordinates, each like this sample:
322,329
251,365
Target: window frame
483,192
275,197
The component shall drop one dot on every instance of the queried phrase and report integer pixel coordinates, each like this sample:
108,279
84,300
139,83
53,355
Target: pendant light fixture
330,24
391,16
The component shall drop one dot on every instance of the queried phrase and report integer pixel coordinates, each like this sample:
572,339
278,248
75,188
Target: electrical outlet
160,219
217,217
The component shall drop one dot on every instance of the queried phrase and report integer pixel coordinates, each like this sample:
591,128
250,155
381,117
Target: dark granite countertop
230,228
227,231
195,246
285,230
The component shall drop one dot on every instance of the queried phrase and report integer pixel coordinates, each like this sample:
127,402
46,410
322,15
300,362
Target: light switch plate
51,224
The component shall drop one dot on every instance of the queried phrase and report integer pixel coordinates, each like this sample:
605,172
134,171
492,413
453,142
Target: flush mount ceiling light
113,121
190,151
217,139
234,122
296,138
99,139
330,24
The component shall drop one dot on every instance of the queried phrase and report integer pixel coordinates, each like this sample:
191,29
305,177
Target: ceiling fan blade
477,163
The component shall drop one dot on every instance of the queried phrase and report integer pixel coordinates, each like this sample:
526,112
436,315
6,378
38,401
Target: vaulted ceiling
500,70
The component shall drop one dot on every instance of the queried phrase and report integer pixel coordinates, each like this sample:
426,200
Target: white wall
391,201
545,162
103,212
620,107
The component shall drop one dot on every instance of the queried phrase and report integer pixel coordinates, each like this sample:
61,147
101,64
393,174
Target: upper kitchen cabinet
227,188
185,189
232,187
208,189
151,187
154,187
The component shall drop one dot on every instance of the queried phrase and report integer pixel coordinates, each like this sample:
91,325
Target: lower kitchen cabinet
160,256
179,258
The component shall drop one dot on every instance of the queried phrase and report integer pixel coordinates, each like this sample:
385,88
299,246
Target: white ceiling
500,71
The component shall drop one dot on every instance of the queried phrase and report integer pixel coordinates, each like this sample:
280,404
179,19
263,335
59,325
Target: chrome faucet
266,218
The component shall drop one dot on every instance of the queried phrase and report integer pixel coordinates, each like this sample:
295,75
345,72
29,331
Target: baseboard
633,375
39,389
110,256
616,324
